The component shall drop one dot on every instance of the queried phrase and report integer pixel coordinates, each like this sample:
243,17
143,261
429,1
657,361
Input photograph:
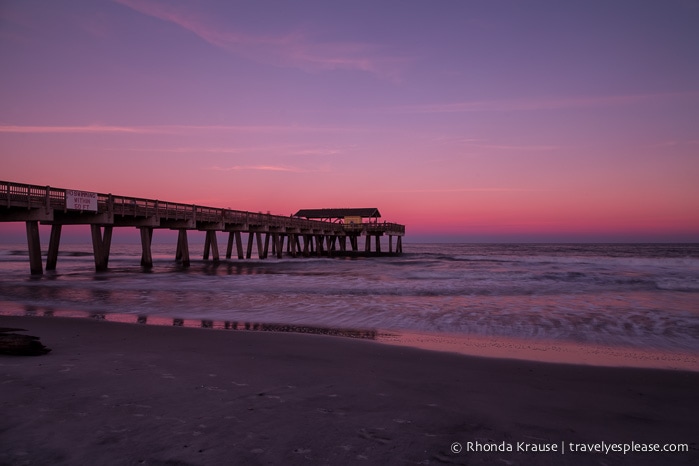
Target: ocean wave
569,293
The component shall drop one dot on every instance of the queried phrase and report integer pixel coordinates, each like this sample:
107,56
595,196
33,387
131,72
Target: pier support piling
210,244
34,245
182,253
239,244
234,237
146,241
52,257
354,243
101,242
251,239
279,240
229,248
262,249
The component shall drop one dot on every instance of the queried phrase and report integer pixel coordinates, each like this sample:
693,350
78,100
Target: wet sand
114,393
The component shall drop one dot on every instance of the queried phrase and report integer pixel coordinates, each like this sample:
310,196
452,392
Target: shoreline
500,347
115,393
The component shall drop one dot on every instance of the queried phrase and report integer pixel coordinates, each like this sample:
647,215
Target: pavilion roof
366,212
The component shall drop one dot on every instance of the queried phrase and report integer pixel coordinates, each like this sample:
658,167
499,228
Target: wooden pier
301,235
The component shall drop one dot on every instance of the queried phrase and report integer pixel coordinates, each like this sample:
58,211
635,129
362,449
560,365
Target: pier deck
303,237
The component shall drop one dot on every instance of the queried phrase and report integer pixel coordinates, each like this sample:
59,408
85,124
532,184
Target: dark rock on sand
20,345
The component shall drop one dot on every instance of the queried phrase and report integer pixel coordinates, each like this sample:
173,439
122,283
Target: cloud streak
461,190
292,50
268,168
280,150
94,129
163,129
540,104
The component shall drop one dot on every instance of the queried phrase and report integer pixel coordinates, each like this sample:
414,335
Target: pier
310,232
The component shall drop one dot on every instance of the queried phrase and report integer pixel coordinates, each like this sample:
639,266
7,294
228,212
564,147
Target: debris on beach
20,345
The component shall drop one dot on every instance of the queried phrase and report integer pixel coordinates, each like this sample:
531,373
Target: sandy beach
113,393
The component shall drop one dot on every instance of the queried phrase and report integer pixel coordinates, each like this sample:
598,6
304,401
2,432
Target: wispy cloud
691,142
276,150
166,129
483,144
460,190
75,129
291,50
539,104
515,147
315,152
271,168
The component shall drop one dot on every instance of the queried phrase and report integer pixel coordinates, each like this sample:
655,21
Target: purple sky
465,120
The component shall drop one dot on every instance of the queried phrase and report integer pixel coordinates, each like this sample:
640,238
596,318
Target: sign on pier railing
81,200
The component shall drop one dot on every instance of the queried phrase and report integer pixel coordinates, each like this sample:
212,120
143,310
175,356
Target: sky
479,121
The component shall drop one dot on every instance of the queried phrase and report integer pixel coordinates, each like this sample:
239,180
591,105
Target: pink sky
466,121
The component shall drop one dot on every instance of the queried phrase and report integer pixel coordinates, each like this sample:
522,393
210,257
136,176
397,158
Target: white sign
81,200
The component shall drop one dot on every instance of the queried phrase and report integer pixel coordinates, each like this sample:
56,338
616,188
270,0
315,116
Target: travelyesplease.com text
567,447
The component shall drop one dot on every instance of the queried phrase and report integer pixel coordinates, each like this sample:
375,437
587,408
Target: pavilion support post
378,243
275,239
101,242
399,245
182,248
35,265
292,245
307,241
343,243
55,240
367,245
146,241
390,244
319,245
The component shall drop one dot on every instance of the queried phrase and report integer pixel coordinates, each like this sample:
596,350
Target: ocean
643,296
